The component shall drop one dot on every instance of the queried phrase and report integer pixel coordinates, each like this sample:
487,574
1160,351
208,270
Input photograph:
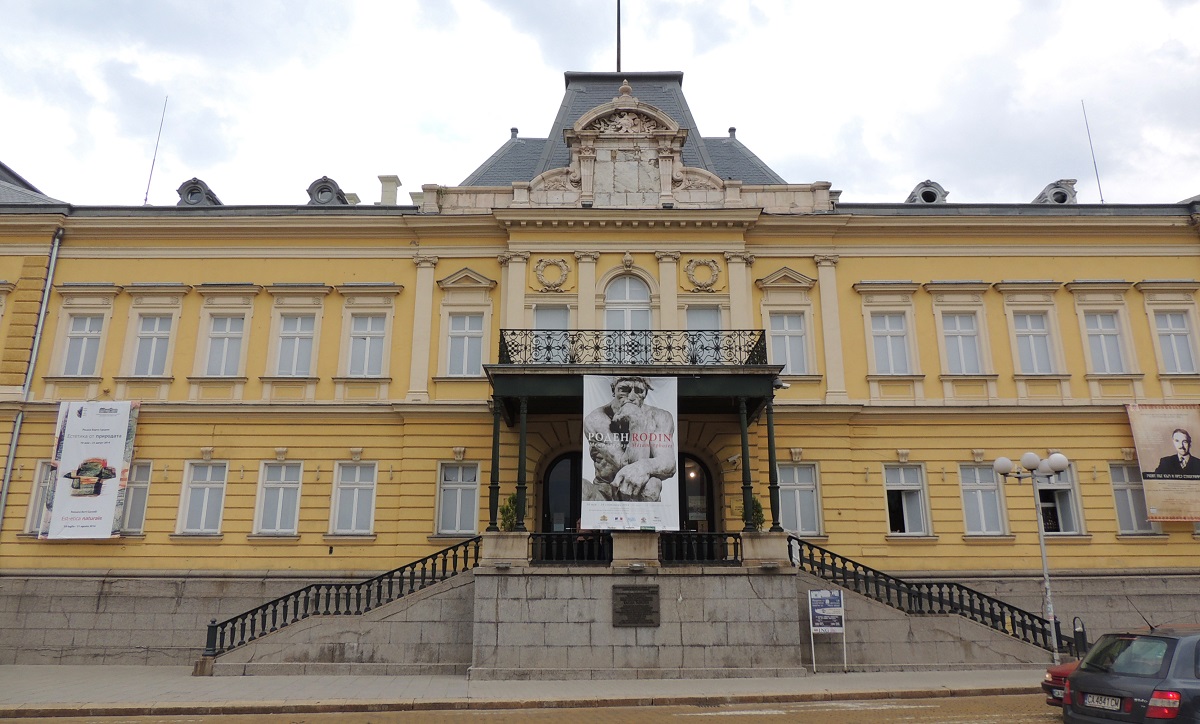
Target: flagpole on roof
618,36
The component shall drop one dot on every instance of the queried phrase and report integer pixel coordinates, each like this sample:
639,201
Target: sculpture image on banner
93,448
629,476
1162,436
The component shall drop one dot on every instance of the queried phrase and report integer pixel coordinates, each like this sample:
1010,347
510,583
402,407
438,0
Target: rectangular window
354,499
1056,501
962,344
83,344
981,500
225,346
1130,499
39,502
905,488
280,498
703,335
153,338
788,343
1175,340
1104,341
203,497
799,509
458,498
366,345
137,493
296,344
466,345
551,343
891,343
1033,342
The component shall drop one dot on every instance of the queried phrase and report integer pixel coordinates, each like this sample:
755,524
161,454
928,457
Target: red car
1056,677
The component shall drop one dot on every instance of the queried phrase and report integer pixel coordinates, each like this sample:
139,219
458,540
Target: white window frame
230,361
1181,357
1099,303
289,479
293,342
222,300
210,486
789,346
1128,494
886,381
1036,297
914,498
40,491
91,335
368,345
348,492
464,293
295,300
794,488
789,292
1172,296
369,300
1036,340
957,341
1103,339
82,299
450,492
1064,487
152,345
461,361
976,481
137,488
891,334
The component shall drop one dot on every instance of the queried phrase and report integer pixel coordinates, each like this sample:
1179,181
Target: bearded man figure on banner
631,444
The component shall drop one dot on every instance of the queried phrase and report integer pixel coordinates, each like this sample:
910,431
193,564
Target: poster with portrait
93,447
630,481
1162,436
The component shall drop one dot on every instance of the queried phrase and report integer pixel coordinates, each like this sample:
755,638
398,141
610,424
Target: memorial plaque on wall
635,606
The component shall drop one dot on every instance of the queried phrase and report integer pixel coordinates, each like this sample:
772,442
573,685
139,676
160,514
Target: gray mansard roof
16,190
521,159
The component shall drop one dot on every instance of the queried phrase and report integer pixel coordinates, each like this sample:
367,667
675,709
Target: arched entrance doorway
561,498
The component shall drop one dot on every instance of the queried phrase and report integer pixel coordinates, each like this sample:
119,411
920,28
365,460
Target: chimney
390,184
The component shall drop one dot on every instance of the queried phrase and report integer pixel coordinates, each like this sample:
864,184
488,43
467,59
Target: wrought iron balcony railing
649,347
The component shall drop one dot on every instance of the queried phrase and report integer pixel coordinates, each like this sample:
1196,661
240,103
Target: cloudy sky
266,96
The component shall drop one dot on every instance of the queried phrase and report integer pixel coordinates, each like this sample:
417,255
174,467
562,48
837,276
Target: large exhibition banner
93,447
629,476
1162,436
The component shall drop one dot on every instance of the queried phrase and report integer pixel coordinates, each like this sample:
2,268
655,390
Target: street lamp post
1035,467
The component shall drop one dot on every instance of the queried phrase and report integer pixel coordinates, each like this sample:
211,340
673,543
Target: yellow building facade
316,384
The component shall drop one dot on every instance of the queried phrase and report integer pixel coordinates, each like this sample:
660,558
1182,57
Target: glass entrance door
696,510
561,494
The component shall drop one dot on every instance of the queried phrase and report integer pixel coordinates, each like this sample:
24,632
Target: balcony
589,347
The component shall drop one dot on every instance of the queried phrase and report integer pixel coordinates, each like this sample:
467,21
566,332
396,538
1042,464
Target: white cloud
873,96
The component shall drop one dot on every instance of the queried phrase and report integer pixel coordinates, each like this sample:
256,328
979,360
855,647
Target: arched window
627,310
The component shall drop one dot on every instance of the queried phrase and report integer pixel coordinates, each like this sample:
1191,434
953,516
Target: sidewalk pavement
48,691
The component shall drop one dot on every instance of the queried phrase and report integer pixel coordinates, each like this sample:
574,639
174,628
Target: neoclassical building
334,388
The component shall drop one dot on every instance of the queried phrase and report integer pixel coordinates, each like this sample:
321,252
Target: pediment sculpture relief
624,122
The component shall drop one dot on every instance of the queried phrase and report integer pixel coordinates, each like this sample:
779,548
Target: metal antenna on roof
146,198
1093,150
618,36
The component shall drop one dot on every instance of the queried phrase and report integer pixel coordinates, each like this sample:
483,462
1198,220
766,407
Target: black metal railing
687,547
636,347
927,597
590,548
341,599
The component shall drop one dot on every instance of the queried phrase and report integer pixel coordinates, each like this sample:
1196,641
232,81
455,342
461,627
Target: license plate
1056,693
1108,703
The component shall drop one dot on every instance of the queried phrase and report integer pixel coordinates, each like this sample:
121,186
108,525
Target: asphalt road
1015,709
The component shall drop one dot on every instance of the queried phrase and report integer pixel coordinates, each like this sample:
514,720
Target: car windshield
1129,655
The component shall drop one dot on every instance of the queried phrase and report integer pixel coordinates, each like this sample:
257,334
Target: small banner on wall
630,480
93,447
1162,436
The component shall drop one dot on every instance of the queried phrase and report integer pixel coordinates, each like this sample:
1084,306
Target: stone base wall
124,619
551,622
545,623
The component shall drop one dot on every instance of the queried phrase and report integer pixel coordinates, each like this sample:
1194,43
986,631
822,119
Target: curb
347,706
